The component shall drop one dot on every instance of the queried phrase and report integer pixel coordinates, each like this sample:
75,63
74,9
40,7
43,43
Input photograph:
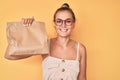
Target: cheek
56,27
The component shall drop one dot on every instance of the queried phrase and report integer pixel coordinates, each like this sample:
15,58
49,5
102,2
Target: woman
67,58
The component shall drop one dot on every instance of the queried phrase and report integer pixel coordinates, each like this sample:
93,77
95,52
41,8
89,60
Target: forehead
63,15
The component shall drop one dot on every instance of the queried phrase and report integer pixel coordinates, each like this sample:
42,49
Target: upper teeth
63,30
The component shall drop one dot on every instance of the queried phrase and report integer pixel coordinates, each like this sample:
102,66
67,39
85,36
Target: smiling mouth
63,30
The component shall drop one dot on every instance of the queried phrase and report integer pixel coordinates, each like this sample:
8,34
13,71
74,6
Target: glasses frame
64,21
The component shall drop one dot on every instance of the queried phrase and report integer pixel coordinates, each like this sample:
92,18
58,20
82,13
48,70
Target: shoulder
82,47
82,50
52,39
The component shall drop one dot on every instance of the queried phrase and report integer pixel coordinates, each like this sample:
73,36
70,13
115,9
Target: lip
63,30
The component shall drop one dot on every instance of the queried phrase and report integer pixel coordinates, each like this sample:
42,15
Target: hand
27,21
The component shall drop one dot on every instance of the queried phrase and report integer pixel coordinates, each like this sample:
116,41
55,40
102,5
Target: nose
63,24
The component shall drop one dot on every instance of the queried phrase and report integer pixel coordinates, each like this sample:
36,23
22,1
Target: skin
66,47
62,46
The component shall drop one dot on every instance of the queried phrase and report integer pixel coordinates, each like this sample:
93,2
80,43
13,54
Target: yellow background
97,27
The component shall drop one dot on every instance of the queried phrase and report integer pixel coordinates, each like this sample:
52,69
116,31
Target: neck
63,41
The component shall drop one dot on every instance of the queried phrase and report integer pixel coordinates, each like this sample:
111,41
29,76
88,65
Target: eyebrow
65,19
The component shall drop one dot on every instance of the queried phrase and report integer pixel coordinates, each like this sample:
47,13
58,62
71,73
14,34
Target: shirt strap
49,46
78,51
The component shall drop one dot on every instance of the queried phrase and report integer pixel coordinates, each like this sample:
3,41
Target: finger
23,21
26,21
30,21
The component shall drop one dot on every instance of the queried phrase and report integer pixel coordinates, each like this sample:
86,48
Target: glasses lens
58,22
67,22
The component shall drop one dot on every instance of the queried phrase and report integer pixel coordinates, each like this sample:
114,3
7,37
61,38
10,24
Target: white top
59,69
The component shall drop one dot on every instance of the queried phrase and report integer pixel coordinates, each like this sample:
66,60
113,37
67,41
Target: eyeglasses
67,22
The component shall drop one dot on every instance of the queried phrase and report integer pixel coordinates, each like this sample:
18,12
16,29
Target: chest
64,53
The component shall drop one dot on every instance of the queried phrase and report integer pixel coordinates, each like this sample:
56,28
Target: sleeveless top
60,69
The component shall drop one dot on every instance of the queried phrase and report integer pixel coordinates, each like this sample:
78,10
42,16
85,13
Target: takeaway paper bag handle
24,40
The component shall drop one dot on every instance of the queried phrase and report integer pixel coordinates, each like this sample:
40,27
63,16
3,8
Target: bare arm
9,57
82,74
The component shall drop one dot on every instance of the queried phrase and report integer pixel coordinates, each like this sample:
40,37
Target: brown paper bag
24,40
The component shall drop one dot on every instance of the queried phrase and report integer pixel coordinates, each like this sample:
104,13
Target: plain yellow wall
97,27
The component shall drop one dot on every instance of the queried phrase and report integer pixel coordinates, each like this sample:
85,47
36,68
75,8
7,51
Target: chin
64,36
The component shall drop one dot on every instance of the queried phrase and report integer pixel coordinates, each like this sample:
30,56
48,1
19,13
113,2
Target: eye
58,21
68,21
